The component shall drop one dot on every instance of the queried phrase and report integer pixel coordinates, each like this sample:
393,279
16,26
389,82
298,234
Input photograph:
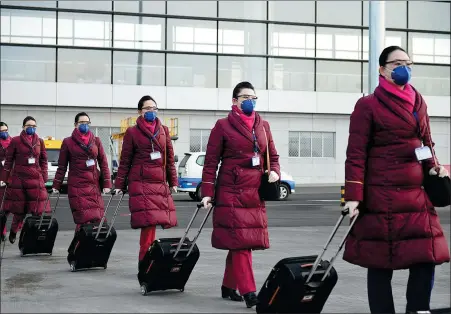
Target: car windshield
52,155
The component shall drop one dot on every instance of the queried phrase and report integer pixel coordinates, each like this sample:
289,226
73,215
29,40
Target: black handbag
268,191
438,189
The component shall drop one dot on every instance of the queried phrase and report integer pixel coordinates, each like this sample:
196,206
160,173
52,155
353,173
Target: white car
190,177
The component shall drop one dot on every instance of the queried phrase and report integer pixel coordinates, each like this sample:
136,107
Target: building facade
308,61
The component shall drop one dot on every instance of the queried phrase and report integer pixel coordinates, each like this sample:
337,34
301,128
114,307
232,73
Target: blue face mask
83,128
4,135
150,116
248,106
401,75
30,130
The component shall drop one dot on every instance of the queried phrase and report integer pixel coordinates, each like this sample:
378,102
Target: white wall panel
187,98
28,93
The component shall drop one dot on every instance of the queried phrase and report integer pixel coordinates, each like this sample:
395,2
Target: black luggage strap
199,206
344,213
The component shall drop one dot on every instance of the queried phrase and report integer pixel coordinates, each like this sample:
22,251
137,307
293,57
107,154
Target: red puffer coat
239,218
26,191
83,182
398,226
150,200
3,149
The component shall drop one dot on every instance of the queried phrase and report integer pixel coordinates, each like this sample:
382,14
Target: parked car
190,177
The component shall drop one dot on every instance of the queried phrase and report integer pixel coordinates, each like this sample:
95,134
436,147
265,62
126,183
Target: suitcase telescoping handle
344,213
51,213
199,206
114,215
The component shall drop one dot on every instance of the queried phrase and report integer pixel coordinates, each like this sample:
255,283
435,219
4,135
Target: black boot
12,237
231,294
251,299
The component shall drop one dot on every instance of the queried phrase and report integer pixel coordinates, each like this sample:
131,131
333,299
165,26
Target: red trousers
238,274
16,224
146,239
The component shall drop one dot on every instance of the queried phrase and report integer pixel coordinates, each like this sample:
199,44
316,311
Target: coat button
398,189
241,190
396,162
422,187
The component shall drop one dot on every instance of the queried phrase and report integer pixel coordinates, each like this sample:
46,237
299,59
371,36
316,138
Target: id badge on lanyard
90,163
31,161
423,152
154,155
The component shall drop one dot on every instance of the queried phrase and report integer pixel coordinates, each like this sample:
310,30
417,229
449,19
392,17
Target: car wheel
198,196
193,195
284,192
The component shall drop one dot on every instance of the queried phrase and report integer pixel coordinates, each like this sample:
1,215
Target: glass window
292,11
294,41
365,81
242,38
249,10
391,39
28,27
82,29
429,15
137,32
42,4
429,48
150,7
193,8
338,76
338,43
138,68
232,70
191,35
431,80
191,70
86,5
28,64
291,74
84,66
311,144
395,14
198,143
339,12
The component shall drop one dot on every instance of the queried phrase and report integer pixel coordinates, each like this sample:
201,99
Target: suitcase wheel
72,266
105,266
143,289
183,289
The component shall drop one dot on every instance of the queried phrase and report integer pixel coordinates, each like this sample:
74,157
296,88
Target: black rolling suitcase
38,233
93,243
301,284
169,261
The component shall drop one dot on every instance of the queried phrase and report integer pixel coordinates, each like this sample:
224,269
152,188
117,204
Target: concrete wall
54,105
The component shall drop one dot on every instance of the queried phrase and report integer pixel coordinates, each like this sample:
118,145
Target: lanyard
153,138
415,114
256,148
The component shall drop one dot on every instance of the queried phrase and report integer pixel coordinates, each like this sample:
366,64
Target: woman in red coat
240,142
83,152
146,167
398,227
17,223
25,174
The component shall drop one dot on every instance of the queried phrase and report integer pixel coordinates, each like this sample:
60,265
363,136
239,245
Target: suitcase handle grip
199,206
344,213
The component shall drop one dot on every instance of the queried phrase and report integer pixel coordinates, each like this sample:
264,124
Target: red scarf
5,143
248,120
84,137
151,126
407,94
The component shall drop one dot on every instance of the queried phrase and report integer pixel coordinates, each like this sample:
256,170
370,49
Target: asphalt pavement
309,206
298,227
